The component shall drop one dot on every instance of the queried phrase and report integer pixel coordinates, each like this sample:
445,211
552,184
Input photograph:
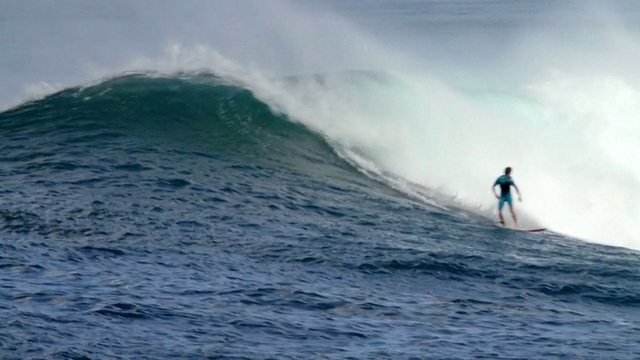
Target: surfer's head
507,170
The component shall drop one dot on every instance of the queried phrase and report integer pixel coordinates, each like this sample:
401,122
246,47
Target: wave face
317,193
150,131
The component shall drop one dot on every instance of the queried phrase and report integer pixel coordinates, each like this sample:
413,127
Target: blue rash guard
505,183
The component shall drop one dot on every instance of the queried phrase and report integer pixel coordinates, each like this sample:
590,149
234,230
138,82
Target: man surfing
505,182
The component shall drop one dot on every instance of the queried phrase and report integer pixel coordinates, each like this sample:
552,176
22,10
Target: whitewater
307,179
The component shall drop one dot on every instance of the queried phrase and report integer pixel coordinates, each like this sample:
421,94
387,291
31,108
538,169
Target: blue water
184,217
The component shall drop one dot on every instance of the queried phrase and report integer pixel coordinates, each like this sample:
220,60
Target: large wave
567,130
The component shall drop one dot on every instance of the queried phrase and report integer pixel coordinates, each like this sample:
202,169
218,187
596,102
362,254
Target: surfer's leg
513,212
500,206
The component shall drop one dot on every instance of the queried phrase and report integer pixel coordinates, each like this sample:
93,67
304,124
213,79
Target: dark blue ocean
311,180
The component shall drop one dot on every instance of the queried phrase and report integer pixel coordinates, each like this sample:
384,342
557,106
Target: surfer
505,182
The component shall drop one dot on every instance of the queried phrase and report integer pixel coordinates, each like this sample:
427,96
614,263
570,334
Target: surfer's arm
493,189
518,191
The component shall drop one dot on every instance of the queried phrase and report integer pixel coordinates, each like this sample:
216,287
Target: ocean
311,179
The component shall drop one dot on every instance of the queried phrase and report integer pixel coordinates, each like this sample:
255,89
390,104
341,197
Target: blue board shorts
505,199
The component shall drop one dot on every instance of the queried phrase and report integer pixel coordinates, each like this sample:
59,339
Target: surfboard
520,229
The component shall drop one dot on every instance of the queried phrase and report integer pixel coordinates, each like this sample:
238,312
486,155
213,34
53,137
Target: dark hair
507,170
